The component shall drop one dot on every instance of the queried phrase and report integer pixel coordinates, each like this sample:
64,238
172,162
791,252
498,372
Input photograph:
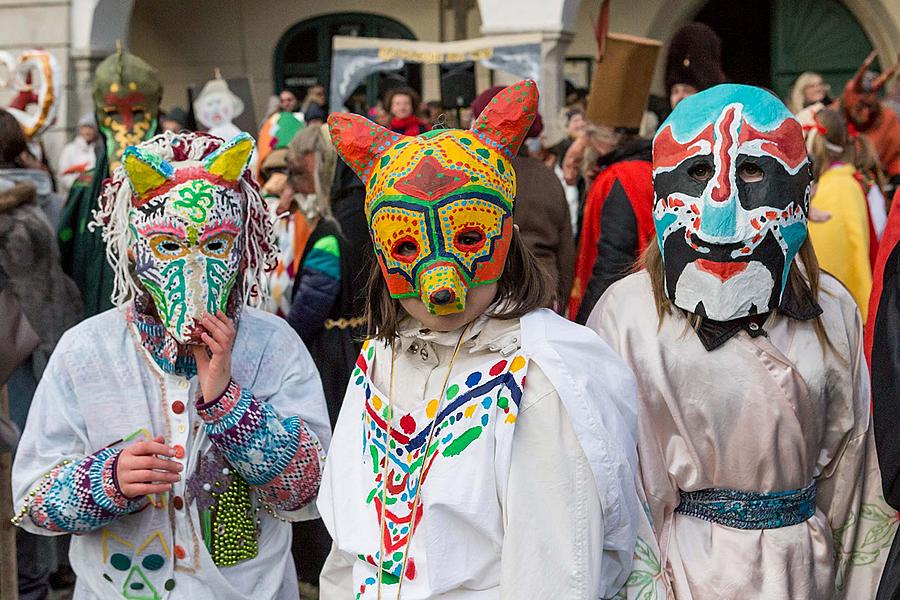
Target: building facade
287,42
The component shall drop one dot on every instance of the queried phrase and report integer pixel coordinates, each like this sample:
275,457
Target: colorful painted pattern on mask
466,414
731,181
127,92
440,205
186,220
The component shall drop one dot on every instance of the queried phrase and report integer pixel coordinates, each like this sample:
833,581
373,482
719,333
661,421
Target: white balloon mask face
731,182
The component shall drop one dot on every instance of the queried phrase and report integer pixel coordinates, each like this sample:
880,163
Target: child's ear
507,117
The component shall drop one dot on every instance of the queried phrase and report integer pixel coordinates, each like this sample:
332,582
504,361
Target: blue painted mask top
731,181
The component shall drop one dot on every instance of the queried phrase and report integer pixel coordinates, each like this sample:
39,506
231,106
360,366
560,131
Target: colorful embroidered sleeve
319,286
280,457
80,496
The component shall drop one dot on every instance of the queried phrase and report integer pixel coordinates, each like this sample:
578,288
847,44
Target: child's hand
140,471
214,372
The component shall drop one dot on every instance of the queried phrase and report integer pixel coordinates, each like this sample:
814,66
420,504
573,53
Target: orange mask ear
507,117
360,142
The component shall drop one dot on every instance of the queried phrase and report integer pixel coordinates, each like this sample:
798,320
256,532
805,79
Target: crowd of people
294,363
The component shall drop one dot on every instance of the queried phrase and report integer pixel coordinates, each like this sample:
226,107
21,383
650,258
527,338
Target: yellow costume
842,242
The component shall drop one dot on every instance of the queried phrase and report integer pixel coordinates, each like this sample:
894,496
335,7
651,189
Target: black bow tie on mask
798,305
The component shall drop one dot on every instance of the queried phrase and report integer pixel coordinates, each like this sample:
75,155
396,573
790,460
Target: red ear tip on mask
508,116
359,141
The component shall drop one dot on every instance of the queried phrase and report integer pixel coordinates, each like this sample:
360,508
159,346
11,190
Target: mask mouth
717,261
442,290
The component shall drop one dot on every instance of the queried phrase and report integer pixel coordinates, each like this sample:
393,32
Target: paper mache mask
127,92
34,74
731,182
217,105
186,223
440,205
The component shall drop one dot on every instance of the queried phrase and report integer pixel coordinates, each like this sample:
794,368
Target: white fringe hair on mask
259,251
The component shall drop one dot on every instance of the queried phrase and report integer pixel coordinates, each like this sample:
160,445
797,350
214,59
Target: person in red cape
882,345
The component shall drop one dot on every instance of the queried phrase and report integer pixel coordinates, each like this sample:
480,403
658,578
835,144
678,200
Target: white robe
100,386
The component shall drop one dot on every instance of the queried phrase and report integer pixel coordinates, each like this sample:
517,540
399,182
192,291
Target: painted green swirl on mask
194,200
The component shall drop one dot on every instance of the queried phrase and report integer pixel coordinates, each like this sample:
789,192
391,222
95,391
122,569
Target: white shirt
100,386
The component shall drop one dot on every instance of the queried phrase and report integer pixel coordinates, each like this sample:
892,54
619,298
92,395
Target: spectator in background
541,211
314,115
50,301
401,104
434,110
78,157
694,62
379,115
288,101
809,88
174,120
842,241
315,96
319,301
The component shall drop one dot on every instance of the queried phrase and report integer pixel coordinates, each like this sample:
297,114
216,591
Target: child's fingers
226,320
142,489
151,462
201,357
218,331
213,324
212,343
149,476
148,448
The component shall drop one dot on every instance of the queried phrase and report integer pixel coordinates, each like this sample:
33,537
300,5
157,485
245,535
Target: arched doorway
770,42
303,54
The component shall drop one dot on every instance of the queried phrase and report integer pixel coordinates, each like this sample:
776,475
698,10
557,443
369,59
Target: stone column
82,64
552,89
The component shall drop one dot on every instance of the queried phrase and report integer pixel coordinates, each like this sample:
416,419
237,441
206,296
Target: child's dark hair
523,287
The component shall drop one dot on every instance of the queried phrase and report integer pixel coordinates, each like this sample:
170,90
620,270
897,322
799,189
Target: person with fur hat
694,61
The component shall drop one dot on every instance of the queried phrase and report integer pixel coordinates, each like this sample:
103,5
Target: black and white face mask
731,181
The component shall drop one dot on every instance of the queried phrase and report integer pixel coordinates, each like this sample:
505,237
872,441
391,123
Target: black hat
695,58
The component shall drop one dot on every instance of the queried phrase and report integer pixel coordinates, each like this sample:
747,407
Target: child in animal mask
755,449
178,432
449,475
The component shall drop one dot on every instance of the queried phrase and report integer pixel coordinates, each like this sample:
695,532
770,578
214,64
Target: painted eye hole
701,172
218,247
405,250
167,247
750,173
469,240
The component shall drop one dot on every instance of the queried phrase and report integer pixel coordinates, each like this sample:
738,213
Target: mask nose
442,297
442,289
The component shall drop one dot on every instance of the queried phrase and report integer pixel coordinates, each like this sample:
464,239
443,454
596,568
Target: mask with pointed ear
440,205
186,222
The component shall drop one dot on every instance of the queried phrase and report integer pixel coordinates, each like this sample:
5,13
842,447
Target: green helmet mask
127,92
